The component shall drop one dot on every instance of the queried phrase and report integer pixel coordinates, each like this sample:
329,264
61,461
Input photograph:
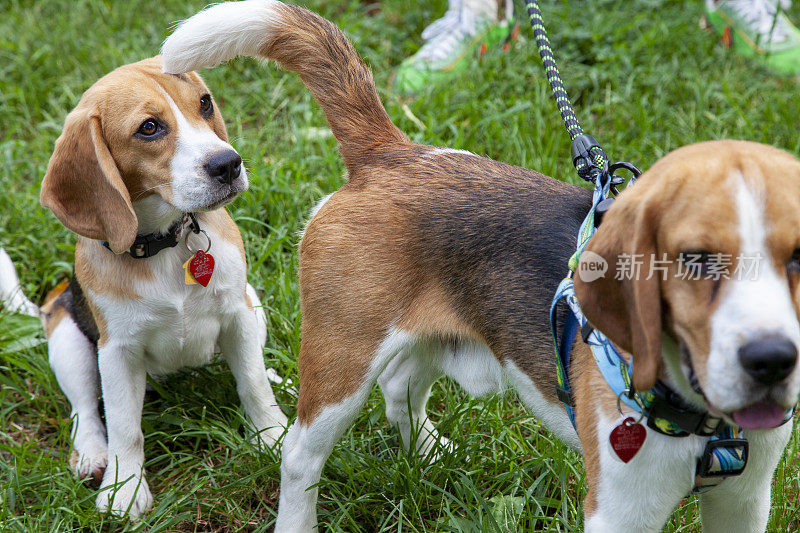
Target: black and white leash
589,159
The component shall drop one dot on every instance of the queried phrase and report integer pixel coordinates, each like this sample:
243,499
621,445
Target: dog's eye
206,107
793,265
149,128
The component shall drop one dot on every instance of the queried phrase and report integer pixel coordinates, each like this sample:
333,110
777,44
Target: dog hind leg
406,382
321,422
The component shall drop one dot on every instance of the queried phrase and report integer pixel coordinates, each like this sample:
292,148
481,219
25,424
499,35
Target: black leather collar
149,245
683,418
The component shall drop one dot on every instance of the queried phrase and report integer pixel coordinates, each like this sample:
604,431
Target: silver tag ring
186,241
636,399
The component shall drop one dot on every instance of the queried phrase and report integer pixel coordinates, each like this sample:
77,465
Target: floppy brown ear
624,304
83,186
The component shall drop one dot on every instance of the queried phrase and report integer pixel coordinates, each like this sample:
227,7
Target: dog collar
148,245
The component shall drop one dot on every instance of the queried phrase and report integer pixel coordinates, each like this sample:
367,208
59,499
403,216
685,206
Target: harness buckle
723,458
586,331
602,207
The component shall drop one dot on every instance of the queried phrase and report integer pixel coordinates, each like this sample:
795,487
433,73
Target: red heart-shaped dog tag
201,267
627,438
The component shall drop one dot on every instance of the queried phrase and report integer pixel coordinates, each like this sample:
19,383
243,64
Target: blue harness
726,452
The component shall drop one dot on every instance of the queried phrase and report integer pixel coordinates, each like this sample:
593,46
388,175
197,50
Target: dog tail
300,41
11,295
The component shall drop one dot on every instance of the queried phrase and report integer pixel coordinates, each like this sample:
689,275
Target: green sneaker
757,29
450,42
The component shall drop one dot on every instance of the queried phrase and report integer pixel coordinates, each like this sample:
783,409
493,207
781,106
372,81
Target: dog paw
89,464
130,497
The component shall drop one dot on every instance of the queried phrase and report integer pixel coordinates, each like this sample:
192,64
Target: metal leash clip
615,181
619,180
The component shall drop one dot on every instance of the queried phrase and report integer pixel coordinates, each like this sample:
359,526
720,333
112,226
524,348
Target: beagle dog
432,262
142,172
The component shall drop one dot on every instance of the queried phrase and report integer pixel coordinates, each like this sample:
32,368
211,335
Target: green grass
645,80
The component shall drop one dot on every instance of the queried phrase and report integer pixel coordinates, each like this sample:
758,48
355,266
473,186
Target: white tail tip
11,295
219,33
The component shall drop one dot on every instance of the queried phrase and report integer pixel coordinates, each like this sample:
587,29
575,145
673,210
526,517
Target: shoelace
761,15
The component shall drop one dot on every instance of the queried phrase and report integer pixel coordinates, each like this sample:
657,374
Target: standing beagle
432,262
141,173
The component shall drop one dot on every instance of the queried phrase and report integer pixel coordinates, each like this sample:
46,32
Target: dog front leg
740,512
637,496
241,348
123,377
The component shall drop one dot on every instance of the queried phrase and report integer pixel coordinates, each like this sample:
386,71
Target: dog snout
224,166
768,360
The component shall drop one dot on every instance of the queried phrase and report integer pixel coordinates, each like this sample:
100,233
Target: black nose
769,360
224,166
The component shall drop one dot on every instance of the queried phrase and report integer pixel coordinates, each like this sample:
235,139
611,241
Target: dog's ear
625,304
83,186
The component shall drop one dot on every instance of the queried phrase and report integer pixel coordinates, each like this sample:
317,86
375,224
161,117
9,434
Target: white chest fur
171,324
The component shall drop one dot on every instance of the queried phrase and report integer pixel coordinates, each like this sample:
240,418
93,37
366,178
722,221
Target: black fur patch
501,237
74,301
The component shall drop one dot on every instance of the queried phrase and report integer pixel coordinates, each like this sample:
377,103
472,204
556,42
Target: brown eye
149,128
206,108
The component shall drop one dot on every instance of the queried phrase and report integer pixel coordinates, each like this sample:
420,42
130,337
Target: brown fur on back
449,246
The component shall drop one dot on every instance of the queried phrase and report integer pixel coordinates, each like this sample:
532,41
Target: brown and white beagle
432,262
141,151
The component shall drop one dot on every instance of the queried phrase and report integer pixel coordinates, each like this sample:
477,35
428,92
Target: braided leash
588,157
551,70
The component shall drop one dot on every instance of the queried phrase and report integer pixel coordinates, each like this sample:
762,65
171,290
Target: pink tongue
762,415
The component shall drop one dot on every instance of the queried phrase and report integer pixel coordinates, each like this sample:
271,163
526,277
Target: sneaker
757,29
450,42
